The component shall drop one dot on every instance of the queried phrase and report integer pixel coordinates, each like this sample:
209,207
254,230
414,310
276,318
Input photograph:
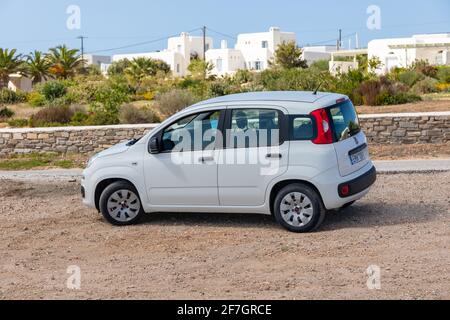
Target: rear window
344,120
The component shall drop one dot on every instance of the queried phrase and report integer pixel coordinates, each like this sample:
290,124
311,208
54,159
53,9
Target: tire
298,208
120,204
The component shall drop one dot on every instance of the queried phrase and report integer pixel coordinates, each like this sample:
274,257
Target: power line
222,34
139,43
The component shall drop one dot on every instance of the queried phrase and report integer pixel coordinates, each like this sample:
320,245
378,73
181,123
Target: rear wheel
120,204
298,208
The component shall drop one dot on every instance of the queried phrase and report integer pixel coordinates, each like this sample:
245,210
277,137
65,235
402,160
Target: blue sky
29,25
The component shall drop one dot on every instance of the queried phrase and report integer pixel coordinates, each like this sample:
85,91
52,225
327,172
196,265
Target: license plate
358,156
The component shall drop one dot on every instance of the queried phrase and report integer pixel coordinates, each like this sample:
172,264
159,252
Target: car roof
290,97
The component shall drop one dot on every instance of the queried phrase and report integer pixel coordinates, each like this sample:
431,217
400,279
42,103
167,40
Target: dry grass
423,106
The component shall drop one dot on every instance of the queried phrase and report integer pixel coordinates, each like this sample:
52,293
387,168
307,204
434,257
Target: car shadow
373,214
360,215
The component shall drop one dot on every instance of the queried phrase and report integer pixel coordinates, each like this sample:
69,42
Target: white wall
435,51
231,60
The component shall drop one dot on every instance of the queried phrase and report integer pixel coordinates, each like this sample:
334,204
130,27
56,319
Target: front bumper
358,184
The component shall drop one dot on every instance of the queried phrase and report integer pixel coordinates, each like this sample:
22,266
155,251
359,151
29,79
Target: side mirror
153,146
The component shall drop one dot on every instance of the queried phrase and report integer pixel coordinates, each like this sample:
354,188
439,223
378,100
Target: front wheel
120,204
298,208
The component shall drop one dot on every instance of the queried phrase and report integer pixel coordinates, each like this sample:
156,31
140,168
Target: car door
184,172
256,153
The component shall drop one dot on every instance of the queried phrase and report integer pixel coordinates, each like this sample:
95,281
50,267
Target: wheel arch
283,183
101,186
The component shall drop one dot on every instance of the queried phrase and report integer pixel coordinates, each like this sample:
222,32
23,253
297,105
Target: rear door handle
206,159
274,156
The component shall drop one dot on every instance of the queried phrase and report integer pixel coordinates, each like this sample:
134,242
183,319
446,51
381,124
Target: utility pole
204,42
82,49
339,42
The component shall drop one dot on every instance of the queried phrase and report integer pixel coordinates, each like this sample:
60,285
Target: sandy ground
402,226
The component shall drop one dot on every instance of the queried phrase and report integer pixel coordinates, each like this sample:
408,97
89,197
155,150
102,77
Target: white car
293,155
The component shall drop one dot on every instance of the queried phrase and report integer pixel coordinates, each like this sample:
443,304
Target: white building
316,53
402,52
178,54
252,51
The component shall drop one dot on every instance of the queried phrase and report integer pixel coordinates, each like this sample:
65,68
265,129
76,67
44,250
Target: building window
178,68
207,47
258,65
219,65
179,48
265,44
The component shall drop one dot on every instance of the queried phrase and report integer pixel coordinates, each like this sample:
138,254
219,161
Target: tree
200,69
118,67
140,68
65,62
287,56
10,62
37,67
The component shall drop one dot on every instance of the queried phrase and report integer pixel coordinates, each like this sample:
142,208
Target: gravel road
402,226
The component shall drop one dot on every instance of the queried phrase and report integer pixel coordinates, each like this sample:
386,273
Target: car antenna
318,87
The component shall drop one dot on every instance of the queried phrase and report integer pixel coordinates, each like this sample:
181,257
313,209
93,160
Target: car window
345,120
302,128
192,133
254,128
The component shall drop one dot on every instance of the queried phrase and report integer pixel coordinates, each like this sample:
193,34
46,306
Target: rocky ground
402,226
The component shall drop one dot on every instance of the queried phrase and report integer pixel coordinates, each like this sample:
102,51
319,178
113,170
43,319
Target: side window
302,128
252,128
192,133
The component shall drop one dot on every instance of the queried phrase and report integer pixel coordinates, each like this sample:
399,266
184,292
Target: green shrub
79,118
425,68
8,96
410,77
130,114
51,115
443,74
53,89
427,85
321,65
18,123
36,99
6,113
387,98
173,101
101,118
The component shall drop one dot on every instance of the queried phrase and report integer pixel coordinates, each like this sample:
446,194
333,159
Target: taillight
324,135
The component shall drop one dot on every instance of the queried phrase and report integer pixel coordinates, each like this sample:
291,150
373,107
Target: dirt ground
422,106
402,226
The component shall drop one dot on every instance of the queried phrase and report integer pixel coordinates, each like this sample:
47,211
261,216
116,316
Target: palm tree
10,62
38,67
64,61
142,67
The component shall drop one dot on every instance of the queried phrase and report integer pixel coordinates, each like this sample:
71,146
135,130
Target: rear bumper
358,184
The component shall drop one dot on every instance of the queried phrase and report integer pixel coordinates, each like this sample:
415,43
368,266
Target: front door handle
206,159
274,156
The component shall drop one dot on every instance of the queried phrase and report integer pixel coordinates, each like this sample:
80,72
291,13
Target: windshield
345,120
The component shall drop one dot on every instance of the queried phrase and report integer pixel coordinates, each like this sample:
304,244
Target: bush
8,96
173,101
369,90
425,68
130,114
427,85
6,113
53,89
387,98
36,99
101,118
321,65
410,77
443,74
51,115
18,123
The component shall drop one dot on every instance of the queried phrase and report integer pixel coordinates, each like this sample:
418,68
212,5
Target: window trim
282,120
218,143
291,126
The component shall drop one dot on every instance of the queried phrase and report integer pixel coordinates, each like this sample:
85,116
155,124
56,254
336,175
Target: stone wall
67,139
382,128
407,128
